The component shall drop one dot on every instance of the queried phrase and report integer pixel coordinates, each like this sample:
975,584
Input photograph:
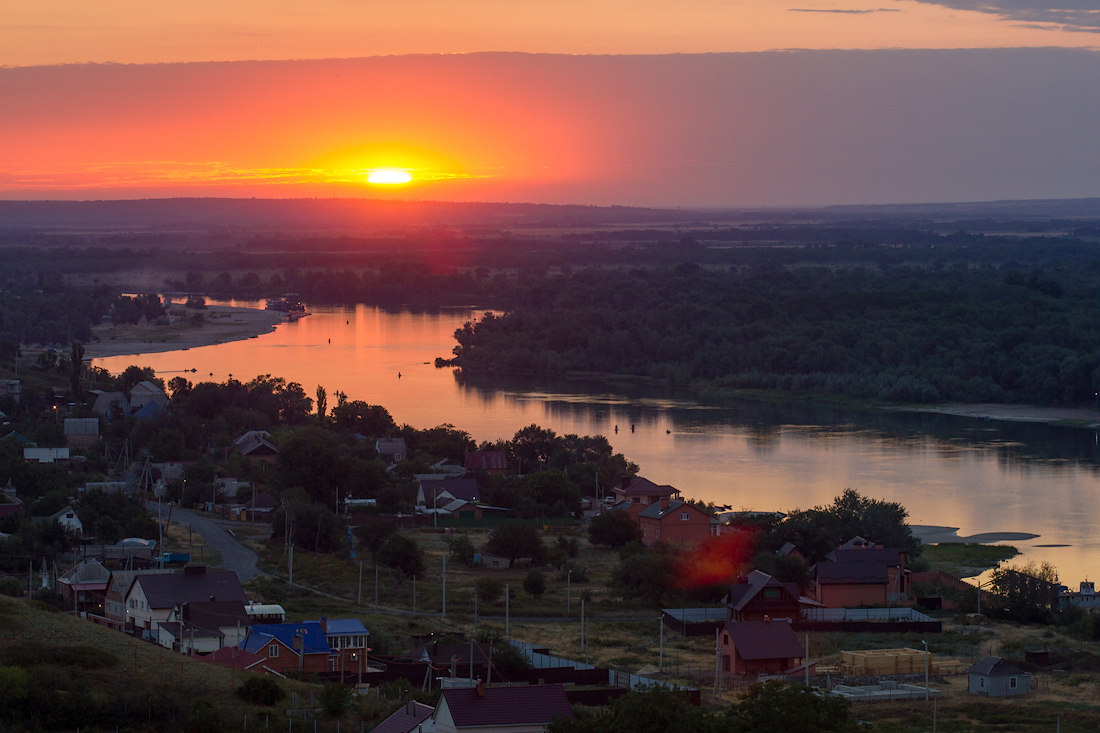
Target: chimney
324,625
480,689
663,502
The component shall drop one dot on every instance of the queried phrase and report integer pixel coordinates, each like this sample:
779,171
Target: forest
921,305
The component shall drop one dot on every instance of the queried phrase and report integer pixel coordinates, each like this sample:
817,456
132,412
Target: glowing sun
388,176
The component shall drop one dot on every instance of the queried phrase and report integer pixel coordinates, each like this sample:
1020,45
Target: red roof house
675,523
759,597
874,576
490,461
638,490
519,709
759,647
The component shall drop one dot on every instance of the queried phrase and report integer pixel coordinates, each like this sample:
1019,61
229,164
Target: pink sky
121,99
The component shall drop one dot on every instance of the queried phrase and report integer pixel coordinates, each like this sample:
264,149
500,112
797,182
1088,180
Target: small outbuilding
995,677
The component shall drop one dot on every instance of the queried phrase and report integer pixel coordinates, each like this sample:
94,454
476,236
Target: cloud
851,11
1073,15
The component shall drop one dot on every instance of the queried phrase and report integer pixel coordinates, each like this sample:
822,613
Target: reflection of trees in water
765,422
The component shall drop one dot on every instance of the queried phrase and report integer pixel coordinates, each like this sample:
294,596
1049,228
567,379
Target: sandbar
932,534
1083,416
220,323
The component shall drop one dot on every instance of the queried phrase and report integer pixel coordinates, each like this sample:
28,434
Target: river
978,475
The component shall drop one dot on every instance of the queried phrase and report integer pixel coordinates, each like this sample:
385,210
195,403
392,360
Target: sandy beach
931,534
221,323
1084,417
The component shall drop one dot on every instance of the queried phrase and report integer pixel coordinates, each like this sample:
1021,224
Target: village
420,579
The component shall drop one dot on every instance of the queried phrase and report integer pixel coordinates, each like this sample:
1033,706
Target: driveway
235,556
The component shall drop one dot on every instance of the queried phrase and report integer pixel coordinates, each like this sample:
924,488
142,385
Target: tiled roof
460,488
520,705
741,593
852,572
655,511
231,656
165,591
405,720
215,614
343,626
638,486
764,639
995,667
260,635
486,460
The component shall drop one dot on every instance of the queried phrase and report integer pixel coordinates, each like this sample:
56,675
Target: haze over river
978,475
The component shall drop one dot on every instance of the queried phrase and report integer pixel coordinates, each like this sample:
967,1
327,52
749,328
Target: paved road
235,556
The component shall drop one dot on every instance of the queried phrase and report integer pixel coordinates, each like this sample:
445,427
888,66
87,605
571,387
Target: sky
697,103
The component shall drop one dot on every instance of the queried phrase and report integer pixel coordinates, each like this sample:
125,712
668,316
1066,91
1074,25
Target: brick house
759,597
675,523
638,490
759,647
291,647
872,576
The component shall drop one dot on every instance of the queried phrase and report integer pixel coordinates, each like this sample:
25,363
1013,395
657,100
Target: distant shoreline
1075,416
222,323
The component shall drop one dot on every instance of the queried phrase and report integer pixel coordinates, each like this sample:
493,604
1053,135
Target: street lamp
926,693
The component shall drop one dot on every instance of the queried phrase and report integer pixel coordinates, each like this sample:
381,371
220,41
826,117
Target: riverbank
219,324
1072,416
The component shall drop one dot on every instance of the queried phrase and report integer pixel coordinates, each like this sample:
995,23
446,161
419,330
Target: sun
388,176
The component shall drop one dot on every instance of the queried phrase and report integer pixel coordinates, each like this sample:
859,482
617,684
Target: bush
535,583
335,698
489,590
261,691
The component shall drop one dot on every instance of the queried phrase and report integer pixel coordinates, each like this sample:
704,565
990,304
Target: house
84,585
81,432
519,709
638,490
760,647
1086,597
255,444
265,613
493,462
469,510
299,647
759,597
109,404
114,597
231,656
201,627
347,638
10,503
676,523
435,492
144,393
67,518
152,598
875,576
11,388
412,717
995,677
392,449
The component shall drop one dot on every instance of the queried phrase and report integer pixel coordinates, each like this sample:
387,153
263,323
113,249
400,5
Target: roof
741,593
524,704
231,656
884,555
260,635
870,573
486,460
87,571
460,488
216,614
638,486
391,446
764,639
995,667
121,580
655,510
165,591
255,441
405,719
343,626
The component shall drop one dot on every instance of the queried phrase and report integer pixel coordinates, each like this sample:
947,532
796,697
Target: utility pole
360,599
444,616
507,601
661,645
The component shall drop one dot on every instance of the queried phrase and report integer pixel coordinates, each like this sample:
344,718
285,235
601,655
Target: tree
613,529
777,707
535,582
322,404
401,553
1029,590
374,533
77,364
515,540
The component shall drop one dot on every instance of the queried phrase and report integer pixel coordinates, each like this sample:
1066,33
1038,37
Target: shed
995,677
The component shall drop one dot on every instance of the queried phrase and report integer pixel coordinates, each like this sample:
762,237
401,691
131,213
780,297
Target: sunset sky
699,103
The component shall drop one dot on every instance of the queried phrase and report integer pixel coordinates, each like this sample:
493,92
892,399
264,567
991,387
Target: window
273,650
685,517
771,594
1012,683
981,682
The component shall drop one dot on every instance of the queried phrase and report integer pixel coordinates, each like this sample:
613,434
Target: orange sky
120,99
